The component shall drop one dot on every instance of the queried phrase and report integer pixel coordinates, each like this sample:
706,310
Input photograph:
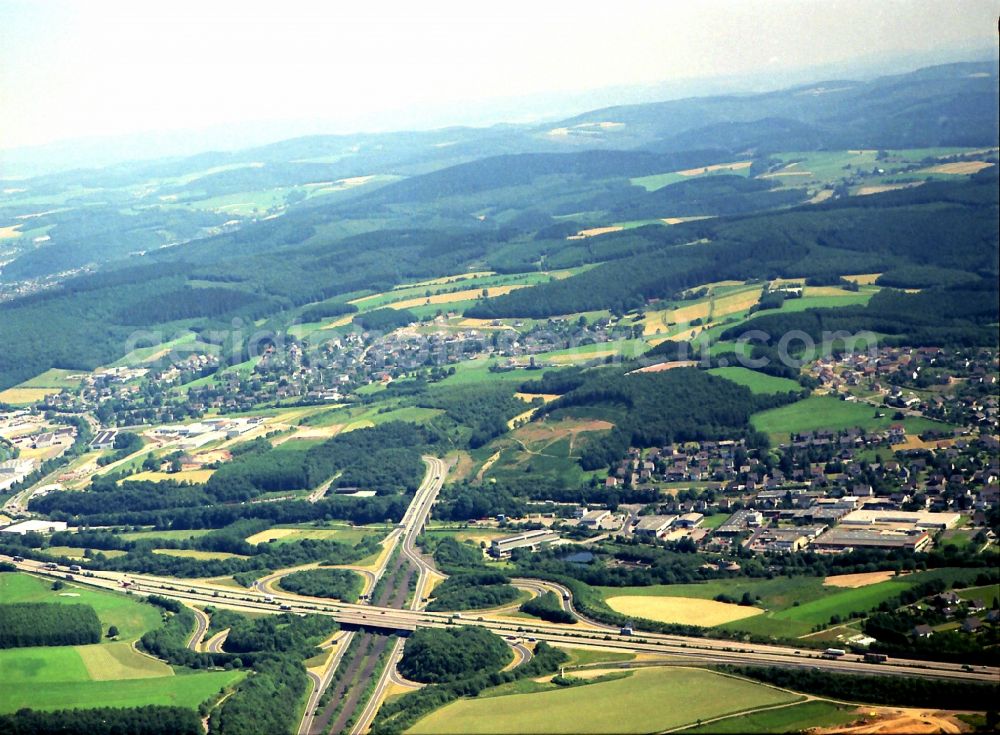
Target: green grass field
335,532
54,378
650,700
784,618
188,690
825,302
110,673
585,656
165,534
132,618
796,718
756,382
827,412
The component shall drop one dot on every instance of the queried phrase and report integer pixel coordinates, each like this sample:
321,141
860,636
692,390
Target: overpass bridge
694,650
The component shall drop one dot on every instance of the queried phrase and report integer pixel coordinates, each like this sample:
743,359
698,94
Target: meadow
649,700
188,690
796,718
132,618
792,605
756,382
111,673
827,412
336,532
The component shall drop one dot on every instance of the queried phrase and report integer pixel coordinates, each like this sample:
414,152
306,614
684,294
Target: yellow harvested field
272,534
734,302
830,291
879,189
317,432
579,356
681,220
958,168
529,397
853,581
23,396
735,166
447,298
448,279
863,279
821,196
195,476
341,322
682,610
688,313
472,323
661,366
8,233
594,232
520,418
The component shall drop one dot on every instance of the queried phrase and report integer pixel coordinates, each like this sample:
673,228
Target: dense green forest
339,584
149,720
443,655
658,408
548,607
473,590
48,624
886,690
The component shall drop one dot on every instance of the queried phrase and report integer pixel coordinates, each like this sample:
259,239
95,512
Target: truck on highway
75,568
876,658
834,653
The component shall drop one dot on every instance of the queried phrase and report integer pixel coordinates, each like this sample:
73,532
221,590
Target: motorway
413,522
264,597
695,650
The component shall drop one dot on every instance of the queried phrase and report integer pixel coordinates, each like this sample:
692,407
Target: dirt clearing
901,722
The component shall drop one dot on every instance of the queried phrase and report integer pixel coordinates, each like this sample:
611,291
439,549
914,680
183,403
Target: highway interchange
682,649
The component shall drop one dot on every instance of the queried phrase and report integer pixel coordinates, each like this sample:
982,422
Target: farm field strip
648,700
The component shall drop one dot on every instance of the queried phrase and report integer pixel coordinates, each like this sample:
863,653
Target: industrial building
502,547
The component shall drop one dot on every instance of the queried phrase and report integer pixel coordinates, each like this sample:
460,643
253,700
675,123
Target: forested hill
945,225
951,104
260,234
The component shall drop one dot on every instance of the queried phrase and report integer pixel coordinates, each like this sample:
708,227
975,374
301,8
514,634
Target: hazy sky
96,67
